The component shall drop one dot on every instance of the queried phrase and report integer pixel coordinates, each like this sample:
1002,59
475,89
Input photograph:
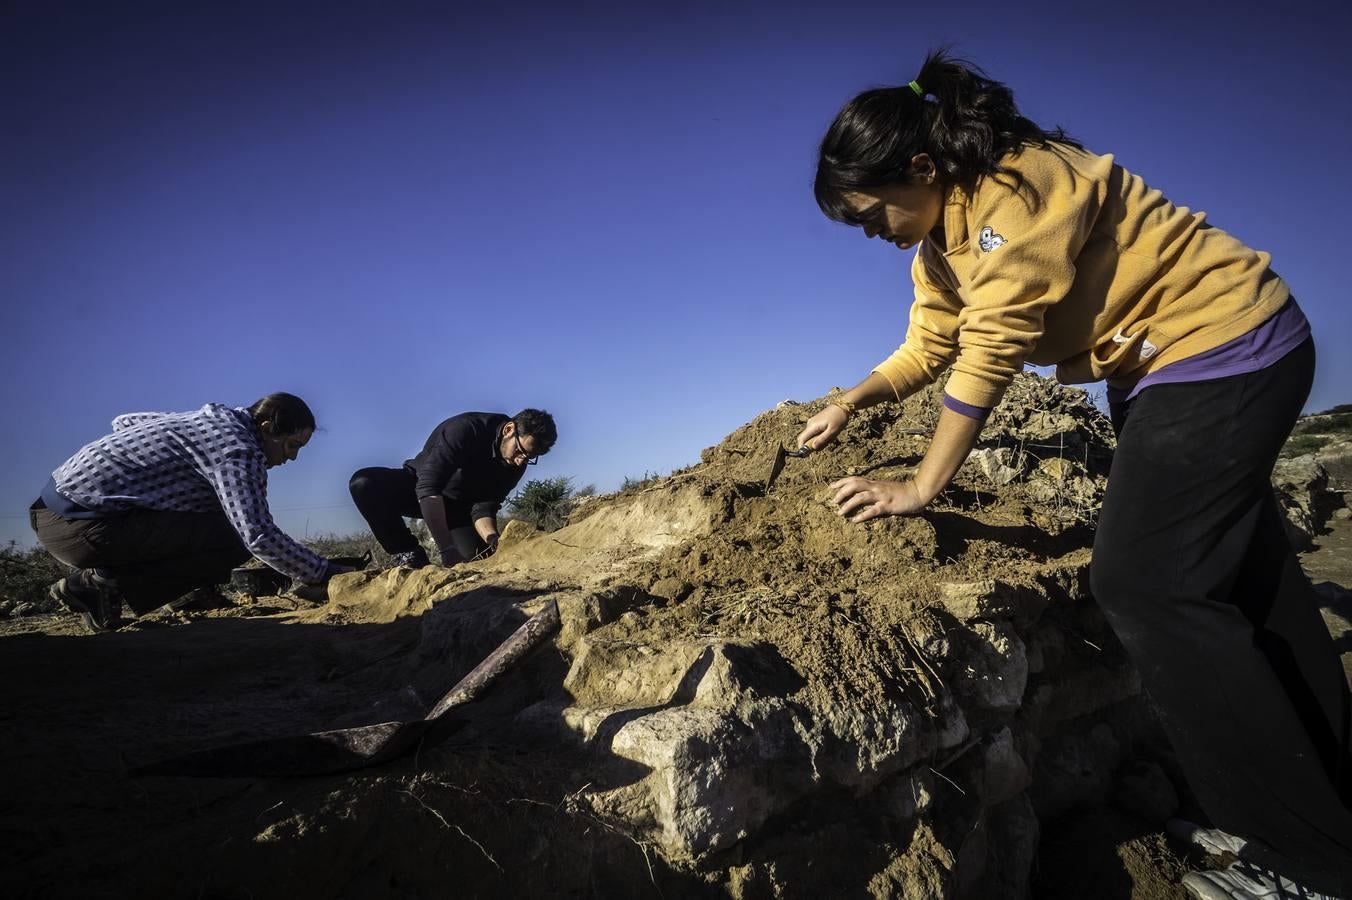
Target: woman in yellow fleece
1033,250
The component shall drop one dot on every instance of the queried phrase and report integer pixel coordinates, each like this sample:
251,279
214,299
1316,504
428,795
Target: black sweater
461,463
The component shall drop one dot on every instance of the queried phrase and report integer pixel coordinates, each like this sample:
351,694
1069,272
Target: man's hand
490,546
861,499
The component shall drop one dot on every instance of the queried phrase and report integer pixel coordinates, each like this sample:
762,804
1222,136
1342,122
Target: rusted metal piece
525,639
345,749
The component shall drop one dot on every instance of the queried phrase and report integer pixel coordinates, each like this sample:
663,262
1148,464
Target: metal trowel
782,453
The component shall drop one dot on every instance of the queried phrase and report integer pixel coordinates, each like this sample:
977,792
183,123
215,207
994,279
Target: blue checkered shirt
209,460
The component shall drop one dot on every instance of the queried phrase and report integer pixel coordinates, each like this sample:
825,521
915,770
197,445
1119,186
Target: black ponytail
287,413
964,121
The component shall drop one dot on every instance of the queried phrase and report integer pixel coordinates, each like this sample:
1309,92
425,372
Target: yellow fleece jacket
1084,267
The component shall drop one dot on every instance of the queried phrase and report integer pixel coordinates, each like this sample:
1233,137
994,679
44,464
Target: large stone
1004,773
924,871
858,744
516,531
1001,465
1336,458
994,673
712,781
627,674
1075,770
1300,475
582,613
989,598
1014,832
1046,648
1070,695
1302,486
725,744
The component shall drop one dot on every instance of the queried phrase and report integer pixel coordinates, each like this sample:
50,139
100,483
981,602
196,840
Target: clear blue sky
402,210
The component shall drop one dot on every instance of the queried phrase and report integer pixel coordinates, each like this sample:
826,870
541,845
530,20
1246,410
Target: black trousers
151,556
385,497
1194,571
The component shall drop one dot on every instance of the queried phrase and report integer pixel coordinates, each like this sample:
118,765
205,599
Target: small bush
355,544
632,483
1337,423
1301,444
545,503
26,574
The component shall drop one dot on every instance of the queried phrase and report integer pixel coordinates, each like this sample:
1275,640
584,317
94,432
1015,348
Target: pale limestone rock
1004,772
999,464
994,677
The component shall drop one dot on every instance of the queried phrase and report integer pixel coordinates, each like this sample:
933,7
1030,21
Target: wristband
842,403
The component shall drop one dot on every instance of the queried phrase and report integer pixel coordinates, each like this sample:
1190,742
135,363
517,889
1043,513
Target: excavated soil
844,691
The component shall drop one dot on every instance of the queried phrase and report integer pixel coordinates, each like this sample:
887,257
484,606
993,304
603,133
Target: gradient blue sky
404,210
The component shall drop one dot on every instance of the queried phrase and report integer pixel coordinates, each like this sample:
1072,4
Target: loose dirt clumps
781,667
749,696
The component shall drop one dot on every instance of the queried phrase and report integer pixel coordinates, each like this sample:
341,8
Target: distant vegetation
1313,432
25,576
546,502
358,543
644,480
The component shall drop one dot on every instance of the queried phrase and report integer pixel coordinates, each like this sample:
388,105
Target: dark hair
965,122
287,413
538,424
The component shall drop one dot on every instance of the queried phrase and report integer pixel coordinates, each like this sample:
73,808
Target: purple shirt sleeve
966,409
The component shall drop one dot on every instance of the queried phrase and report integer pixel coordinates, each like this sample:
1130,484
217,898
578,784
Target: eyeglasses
521,451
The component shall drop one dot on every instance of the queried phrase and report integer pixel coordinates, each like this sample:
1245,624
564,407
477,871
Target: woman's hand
862,499
822,428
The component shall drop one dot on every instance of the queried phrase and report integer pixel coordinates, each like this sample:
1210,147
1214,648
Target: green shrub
644,480
26,574
1301,444
545,503
355,544
1325,423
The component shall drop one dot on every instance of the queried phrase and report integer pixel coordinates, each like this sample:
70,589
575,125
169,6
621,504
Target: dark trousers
385,497
1194,571
151,556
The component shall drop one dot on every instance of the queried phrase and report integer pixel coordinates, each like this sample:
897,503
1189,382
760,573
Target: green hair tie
919,91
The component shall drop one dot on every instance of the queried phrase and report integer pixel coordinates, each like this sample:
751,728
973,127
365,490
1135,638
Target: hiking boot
198,600
1244,880
413,559
1212,840
95,600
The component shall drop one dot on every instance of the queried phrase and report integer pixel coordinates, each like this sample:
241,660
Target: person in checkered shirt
170,502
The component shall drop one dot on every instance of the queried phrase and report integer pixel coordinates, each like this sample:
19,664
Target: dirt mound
748,697
779,664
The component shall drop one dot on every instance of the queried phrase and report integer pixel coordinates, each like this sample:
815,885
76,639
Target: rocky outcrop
940,682
1304,494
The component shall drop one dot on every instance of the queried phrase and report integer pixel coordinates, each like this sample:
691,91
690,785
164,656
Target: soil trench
748,697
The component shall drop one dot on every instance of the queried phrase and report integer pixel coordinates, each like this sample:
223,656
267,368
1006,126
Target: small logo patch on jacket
1146,350
989,240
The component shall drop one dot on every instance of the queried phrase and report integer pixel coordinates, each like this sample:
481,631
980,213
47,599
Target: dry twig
488,856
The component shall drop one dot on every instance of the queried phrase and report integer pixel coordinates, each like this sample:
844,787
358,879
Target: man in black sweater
468,466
